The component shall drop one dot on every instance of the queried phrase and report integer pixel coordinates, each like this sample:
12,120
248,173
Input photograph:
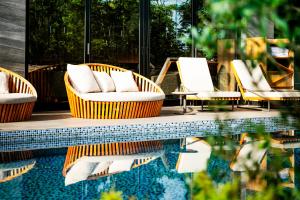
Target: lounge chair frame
258,98
19,111
81,108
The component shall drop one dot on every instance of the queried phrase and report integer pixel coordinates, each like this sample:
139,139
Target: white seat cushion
124,81
3,83
273,94
104,81
252,79
217,94
15,98
195,75
82,78
123,96
101,167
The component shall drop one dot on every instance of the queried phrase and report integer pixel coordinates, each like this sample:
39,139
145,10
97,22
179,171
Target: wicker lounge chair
102,160
18,104
195,77
254,86
109,105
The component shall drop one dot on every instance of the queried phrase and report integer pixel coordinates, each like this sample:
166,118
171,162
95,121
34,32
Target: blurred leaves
111,195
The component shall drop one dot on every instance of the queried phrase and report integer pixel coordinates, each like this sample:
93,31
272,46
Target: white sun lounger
254,86
195,77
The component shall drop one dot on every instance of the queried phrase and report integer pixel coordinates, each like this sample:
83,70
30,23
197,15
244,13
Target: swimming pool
161,169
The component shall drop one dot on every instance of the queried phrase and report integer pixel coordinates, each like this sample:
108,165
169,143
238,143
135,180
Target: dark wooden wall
12,35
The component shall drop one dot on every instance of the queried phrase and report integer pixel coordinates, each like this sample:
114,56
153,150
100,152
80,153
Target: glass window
56,37
170,21
115,32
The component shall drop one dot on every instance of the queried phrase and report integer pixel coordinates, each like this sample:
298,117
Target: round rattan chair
114,110
17,111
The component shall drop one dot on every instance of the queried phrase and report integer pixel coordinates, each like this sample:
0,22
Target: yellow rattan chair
17,111
114,110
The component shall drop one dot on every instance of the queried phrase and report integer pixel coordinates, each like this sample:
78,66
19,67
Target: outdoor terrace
60,129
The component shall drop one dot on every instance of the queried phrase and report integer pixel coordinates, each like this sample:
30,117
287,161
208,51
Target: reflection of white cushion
102,166
104,81
3,83
124,81
120,165
254,151
80,171
82,78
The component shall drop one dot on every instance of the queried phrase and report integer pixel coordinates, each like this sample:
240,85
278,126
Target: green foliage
165,40
225,19
56,31
204,189
111,195
114,26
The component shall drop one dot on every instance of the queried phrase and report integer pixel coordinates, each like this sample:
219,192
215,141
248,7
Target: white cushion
104,81
279,52
217,94
124,81
273,94
15,98
251,79
82,78
120,165
81,170
123,96
3,83
195,75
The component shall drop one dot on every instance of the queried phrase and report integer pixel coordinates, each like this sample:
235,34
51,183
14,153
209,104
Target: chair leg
201,105
232,104
269,106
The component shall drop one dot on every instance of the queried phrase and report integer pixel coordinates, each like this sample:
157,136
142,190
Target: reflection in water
145,170
196,157
99,160
14,164
280,158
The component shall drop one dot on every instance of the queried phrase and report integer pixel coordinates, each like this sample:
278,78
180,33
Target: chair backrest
252,79
194,74
18,84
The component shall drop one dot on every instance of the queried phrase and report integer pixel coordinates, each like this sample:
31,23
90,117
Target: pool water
162,171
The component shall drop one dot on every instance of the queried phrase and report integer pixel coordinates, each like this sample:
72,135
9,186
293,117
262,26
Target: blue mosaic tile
63,137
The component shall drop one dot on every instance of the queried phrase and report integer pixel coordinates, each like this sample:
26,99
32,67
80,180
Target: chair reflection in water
15,164
196,156
89,162
284,141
